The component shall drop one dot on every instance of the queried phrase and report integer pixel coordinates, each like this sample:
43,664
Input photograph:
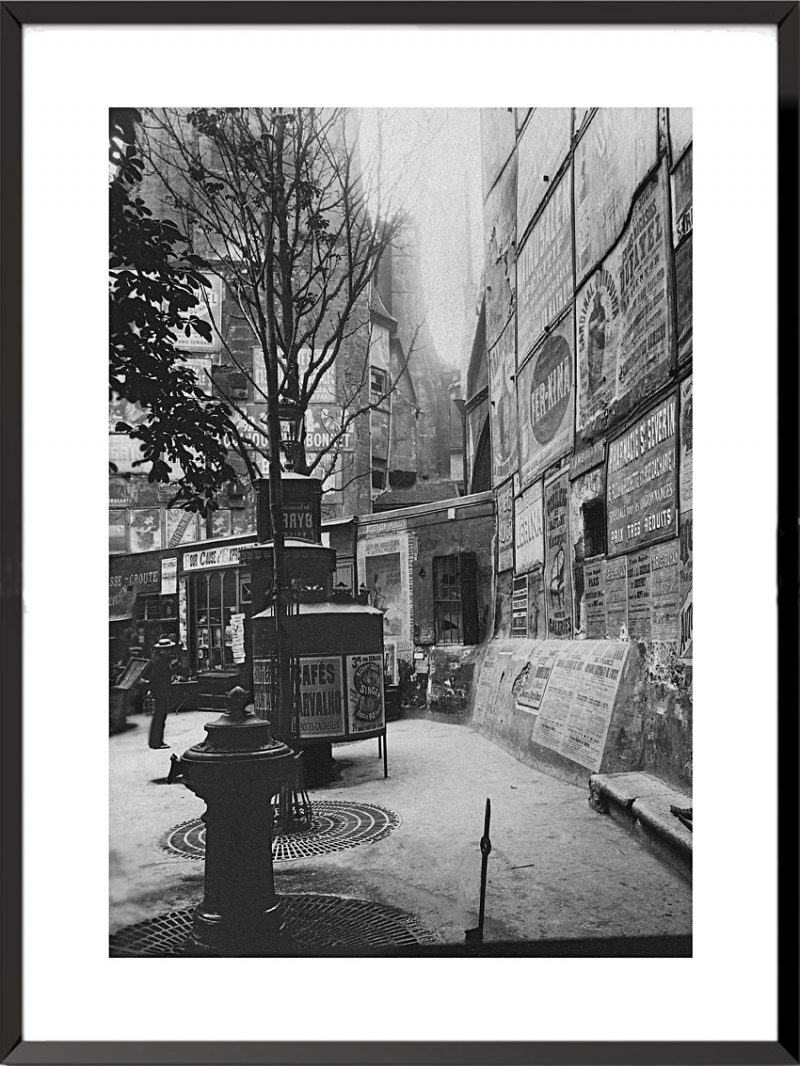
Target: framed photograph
413,483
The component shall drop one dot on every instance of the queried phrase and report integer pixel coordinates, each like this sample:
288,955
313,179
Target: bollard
236,771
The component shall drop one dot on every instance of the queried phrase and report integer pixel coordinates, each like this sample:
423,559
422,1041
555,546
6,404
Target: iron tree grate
315,923
335,825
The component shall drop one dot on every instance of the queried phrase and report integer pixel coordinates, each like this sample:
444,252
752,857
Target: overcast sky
432,168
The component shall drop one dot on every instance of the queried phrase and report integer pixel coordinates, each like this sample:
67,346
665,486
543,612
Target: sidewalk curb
641,803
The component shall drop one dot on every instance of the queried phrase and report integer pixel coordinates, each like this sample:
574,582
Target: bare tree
273,203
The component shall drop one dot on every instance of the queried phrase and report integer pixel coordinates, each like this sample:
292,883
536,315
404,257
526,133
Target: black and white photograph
400,531
370,333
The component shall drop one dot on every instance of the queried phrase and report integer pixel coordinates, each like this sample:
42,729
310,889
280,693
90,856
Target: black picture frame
14,18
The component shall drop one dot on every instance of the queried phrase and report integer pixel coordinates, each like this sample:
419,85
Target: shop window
455,599
215,597
594,528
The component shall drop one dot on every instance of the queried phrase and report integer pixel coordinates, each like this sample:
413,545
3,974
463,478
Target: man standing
160,689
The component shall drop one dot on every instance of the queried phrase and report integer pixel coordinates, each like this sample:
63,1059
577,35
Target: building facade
579,391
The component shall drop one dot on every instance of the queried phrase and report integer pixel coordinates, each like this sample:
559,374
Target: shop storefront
142,602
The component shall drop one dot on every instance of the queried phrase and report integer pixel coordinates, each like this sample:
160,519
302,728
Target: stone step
642,802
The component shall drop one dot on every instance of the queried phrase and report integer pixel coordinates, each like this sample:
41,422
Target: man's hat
164,642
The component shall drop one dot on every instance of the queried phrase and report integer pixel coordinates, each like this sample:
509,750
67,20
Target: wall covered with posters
593,331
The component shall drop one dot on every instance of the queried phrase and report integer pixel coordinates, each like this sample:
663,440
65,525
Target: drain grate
335,825
316,923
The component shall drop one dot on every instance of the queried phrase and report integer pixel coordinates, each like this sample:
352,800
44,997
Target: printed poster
365,692
237,638
686,636
542,148
529,528
531,687
615,581
642,483
383,560
505,527
557,570
503,420
639,595
545,268
686,447
321,697
577,704
546,401
612,158
169,577
536,612
594,587
624,321
665,591
519,607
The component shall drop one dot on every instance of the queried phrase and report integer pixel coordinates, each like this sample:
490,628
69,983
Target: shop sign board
529,528
557,569
595,598
546,399
578,701
624,322
210,558
503,420
612,158
505,527
642,481
519,606
127,579
208,310
365,692
545,268
542,147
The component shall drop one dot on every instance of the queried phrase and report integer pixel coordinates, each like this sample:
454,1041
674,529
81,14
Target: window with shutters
455,599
